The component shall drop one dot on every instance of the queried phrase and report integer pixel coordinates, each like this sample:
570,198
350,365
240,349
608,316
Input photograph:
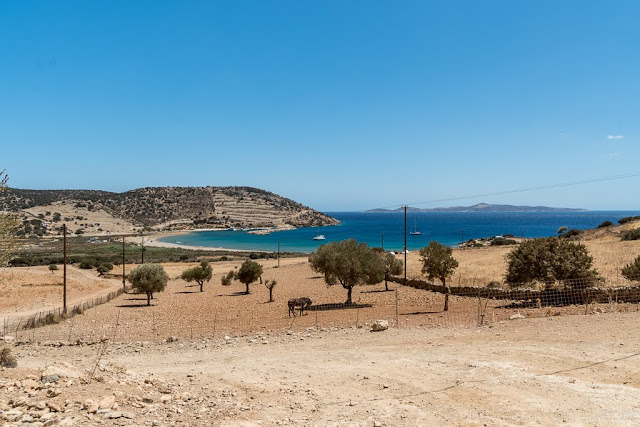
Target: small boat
415,231
320,237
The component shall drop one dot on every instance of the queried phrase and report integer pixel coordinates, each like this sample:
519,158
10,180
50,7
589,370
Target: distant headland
481,207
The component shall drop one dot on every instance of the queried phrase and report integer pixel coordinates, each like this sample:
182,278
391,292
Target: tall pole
405,245
124,286
462,237
142,244
278,254
383,241
64,268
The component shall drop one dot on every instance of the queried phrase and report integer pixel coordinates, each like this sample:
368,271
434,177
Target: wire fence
418,304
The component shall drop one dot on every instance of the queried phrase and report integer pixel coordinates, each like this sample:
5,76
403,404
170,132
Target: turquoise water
446,227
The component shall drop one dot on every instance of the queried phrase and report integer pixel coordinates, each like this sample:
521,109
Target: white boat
320,237
415,231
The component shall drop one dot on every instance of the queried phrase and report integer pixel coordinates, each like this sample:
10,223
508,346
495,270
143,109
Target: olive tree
8,226
549,260
52,268
198,274
349,264
270,284
631,271
392,265
249,272
104,268
148,279
439,263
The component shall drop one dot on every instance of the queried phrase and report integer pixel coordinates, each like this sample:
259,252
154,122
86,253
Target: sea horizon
387,229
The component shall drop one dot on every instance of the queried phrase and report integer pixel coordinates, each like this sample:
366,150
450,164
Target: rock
90,406
517,316
49,378
380,325
147,399
8,339
377,424
107,402
171,339
54,407
116,415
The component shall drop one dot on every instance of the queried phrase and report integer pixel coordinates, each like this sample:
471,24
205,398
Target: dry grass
480,266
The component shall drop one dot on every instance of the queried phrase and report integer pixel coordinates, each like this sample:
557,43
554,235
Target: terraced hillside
162,208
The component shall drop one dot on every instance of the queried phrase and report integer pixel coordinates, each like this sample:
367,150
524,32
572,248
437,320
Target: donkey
303,303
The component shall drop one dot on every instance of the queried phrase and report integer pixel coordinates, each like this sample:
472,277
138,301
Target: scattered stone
107,402
171,339
517,316
49,378
380,325
54,407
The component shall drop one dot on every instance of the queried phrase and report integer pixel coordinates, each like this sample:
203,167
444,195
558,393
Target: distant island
481,207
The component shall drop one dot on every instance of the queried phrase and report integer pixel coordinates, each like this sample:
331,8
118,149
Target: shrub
631,271
226,280
501,241
632,235
549,260
7,359
104,267
628,219
571,233
605,224
52,268
562,229
85,265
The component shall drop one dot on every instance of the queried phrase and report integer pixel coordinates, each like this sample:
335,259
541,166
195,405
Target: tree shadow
235,294
338,306
189,292
134,305
316,277
417,313
376,291
136,299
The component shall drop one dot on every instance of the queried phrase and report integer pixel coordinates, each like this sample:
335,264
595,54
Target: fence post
397,324
316,320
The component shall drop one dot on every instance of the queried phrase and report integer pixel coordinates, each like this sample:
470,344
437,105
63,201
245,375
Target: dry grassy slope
165,207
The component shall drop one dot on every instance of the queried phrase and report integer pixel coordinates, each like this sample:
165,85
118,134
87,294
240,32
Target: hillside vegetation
161,208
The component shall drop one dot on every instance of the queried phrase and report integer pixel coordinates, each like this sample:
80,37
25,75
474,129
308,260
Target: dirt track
579,370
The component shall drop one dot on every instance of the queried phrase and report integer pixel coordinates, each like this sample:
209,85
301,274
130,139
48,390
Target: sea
387,229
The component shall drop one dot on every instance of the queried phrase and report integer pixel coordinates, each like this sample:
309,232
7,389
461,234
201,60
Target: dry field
548,371
26,289
480,266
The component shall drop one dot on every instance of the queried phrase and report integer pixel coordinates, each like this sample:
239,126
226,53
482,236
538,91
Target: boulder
379,325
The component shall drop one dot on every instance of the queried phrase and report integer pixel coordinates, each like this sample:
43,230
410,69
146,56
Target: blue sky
341,105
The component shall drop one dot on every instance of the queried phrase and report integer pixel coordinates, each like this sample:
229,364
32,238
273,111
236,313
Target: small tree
550,260
198,274
249,272
104,268
392,266
631,271
52,268
270,284
8,227
148,279
226,280
348,263
562,229
438,263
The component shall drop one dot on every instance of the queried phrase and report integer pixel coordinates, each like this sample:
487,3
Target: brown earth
574,370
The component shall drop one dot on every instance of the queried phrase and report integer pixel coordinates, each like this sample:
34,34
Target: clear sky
340,105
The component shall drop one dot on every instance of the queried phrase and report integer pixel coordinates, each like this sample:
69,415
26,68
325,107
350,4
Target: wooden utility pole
278,254
124,285
405,245
64,268
142,244
383,241
462,237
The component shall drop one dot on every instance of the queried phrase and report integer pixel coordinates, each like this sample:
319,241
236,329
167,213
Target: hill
160,208
481,207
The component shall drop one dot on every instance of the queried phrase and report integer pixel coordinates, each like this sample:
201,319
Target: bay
446,227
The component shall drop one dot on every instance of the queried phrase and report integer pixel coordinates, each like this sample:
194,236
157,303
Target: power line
522,190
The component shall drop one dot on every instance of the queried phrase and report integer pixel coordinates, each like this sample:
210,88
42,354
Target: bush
632,235
226,280
85,265
631,271
571,233
104,268
52,268
628,219
501,241
605,224
550,260
7,359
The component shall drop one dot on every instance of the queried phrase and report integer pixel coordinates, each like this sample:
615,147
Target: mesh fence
418,304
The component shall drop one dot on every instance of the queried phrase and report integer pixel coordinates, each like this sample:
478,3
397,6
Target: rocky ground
576,370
